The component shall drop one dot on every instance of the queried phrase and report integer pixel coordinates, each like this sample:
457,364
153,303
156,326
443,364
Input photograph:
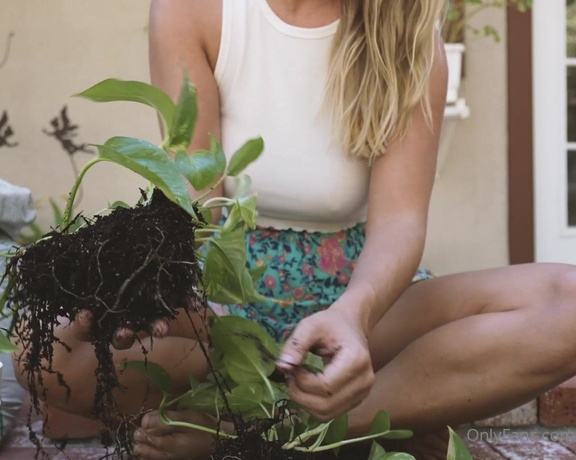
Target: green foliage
246,349
245,155
243,354
185,116
204,166
459,15
150,162
457,449
226,278
6,346
378,453
243,357
113,90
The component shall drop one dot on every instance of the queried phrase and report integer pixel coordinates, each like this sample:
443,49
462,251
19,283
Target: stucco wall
468,226
62,47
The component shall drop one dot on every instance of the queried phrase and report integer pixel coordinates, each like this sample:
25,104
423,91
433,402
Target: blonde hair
379,70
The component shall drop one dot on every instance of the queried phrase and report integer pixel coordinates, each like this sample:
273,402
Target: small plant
461,12
132,265
244,387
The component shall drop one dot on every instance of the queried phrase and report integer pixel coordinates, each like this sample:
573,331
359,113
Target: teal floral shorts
305,272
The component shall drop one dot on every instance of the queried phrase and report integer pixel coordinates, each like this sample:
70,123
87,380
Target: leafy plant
226,276
243,387
115,263
461,12
244,384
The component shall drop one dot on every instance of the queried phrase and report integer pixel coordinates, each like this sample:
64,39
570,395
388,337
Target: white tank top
271,78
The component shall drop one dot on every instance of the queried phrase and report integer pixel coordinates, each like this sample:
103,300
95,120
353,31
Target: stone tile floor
484,444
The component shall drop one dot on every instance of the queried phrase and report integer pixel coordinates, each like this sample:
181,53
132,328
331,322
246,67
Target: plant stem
206,230
7,255
211,189
167,421
209,202
307,435
268,414
72,196
222,434
319,440
336,445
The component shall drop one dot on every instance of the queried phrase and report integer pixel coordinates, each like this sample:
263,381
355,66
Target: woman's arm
400,187
184,37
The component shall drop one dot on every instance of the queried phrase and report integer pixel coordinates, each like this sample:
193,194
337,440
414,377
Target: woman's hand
157,441
339,337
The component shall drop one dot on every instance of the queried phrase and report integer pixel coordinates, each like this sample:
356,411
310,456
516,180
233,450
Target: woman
349,96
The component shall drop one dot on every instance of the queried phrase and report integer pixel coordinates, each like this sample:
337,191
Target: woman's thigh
428,305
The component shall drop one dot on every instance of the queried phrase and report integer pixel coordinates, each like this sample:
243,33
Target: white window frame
555,240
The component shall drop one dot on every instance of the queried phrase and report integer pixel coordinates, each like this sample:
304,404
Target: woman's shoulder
192,20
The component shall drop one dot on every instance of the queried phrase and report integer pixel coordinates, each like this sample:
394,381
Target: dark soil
251,446
129,268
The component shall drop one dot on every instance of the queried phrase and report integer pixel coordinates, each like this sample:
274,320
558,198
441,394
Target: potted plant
458,17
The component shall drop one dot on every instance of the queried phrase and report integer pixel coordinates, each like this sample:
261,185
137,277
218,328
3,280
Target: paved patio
527,443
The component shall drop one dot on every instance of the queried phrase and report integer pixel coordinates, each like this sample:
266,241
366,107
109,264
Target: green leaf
397,456
185,117
234,218
248,210
246,347
150,162
206,398
6,346
245,397
203,166
56,212
279,393
226,278
245,155
377,452
242,186
381,423
194,383
156,373
206,214
337,430
314,362
457,450
257,272
112,90
242,211
11,284
119,204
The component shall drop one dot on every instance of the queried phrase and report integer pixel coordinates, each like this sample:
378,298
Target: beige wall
468,217
61,47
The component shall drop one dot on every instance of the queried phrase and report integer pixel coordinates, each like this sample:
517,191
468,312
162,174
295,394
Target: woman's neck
307,13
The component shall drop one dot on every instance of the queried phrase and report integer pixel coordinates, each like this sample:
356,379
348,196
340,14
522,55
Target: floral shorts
305,272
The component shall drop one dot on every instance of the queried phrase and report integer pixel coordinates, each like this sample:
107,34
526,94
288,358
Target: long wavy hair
380,66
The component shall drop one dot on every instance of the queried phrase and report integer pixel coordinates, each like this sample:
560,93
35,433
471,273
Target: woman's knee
556,318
